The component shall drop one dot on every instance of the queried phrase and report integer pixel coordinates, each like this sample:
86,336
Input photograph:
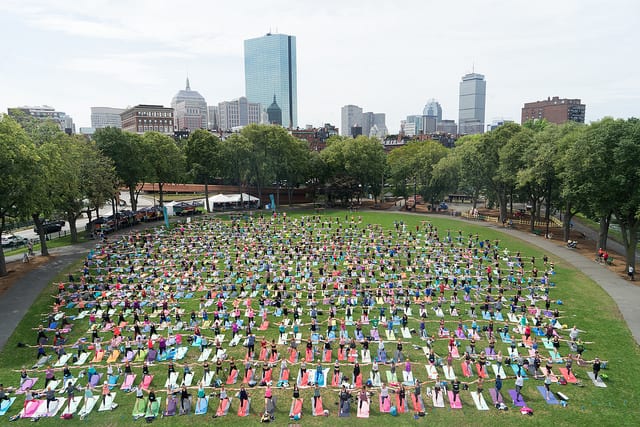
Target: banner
166,216
273,202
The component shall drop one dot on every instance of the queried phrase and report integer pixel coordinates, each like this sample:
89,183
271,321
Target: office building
44,112
237,113
554,110
473,89
190,109
433,109
270,69
145,118
214,117
274,113
351,116
102,117
447,126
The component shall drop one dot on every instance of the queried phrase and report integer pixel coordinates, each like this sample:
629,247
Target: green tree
165,160
19,161
471,179
127,151
202,158
234,159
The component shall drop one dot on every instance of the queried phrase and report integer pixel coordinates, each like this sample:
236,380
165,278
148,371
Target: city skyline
119,54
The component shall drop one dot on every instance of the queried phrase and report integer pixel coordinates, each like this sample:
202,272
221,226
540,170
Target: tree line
570,168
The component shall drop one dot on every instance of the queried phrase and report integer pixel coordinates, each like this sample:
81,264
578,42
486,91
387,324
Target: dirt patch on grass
17,269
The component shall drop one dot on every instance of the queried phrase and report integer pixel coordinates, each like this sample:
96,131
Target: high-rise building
45,112
554,110
270,68
274,113
351,117
190,109
145,118
239,112
214,117
433,109
102,117
473,89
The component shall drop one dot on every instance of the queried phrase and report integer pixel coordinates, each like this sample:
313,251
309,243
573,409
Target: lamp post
415,194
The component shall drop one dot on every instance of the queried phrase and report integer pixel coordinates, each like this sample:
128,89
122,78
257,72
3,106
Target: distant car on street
50,226
13,241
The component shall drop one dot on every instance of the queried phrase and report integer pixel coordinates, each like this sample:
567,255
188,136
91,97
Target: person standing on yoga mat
547,386
363,396
244,396
519,384
596,368
455,388
51,397
498,386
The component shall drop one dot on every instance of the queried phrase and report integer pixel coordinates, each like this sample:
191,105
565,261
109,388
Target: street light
415,194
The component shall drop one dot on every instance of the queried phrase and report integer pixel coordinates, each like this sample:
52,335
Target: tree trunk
629,229
206,193
603,233
533,214
3,261
71,218
133,198
566,221
502,201
44,251
161,193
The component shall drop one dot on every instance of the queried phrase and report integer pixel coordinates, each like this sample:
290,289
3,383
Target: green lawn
585,304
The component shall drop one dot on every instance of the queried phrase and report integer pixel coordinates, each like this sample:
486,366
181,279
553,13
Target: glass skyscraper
270,70
473,90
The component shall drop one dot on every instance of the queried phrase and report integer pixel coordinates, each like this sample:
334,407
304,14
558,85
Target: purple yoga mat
519,402
495,397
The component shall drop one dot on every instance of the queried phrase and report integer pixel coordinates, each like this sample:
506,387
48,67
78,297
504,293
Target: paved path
16,301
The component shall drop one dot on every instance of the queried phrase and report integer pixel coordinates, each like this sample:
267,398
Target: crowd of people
304,296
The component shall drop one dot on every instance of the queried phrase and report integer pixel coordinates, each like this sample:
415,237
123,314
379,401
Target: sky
383,56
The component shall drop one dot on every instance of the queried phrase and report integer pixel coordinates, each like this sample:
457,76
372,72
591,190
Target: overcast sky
385,56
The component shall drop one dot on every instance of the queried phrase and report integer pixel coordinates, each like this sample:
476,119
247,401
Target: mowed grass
585,304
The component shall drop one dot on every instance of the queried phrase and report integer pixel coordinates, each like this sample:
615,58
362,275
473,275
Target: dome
187,95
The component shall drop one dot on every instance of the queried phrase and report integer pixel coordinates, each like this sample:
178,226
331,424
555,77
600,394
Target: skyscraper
190,109
351,117
270,69
433,109
473,89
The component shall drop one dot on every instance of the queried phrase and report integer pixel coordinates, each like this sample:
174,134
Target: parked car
12,241
51,226
185,208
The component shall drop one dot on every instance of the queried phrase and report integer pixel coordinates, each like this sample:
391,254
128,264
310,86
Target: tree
165,160
497,163
234,159
128,154
202,157
471,179
365,161
19,162
85,177
295,165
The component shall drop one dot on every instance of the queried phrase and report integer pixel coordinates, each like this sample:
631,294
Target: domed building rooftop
187,95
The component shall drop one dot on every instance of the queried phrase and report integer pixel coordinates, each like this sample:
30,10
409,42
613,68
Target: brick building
554,110
143,118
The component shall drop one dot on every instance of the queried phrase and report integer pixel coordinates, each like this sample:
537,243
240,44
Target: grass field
585,304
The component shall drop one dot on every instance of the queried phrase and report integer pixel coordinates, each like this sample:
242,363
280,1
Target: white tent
234,201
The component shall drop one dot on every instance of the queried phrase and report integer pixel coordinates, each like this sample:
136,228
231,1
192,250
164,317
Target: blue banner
166,216
273,202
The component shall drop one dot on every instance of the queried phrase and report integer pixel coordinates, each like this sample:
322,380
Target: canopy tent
234,201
